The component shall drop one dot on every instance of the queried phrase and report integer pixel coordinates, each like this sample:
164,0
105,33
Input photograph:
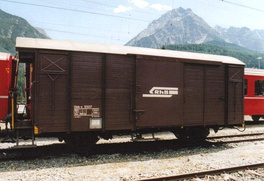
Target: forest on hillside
252,59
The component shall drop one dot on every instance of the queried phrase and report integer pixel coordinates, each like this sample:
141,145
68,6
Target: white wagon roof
33,43
251,71
4,56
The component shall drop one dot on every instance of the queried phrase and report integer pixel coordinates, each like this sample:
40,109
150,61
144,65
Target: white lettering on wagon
3,97
162,92
86,110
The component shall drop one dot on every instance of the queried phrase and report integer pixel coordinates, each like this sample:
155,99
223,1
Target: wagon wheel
181,134
79,142
198,133
255,118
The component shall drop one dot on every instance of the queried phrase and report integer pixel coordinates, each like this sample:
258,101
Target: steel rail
232,136
207,172
244,140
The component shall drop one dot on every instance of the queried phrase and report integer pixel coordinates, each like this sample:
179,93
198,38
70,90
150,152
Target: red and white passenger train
254,93
5,79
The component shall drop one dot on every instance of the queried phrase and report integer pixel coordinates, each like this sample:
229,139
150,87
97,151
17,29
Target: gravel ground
144,165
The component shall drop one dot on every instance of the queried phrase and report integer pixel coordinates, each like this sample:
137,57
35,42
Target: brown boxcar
78,91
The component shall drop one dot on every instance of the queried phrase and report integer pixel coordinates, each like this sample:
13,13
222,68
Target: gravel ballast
140,165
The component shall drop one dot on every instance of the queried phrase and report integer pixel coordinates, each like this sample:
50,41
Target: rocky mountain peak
182,26
178,26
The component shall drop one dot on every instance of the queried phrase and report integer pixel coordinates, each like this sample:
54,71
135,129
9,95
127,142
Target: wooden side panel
204,94
194,94
159,93
214,106
118,101
235,94
51,103
101,88
86,89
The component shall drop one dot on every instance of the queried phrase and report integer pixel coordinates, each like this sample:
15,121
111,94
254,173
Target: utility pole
259,58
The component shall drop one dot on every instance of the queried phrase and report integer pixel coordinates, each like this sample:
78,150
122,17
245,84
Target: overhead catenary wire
75,10
71,9
248,7
100,14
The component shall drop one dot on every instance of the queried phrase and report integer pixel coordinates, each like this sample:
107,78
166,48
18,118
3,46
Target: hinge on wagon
135,87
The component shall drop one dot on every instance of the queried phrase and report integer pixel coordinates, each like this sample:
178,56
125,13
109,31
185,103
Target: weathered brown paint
113,86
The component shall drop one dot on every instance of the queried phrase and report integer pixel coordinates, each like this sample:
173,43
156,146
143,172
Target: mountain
251,39
42,31
182,26
11,27
178,26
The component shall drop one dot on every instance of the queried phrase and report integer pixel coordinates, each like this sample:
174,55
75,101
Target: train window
245,86
259,87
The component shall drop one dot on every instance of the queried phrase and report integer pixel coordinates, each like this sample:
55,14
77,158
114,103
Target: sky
118,21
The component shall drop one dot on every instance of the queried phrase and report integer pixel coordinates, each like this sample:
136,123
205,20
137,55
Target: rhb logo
162,92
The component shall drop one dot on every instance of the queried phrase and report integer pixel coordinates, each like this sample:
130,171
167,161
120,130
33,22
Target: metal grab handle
139,110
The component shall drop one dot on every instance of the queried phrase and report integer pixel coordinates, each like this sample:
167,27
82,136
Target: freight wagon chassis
15,135
88,139
18,124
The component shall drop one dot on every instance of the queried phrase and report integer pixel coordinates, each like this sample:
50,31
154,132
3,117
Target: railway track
217,139
209,172
236,135
53,150
56,150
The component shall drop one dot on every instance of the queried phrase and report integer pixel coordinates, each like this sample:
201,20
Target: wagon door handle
138,113
138,89
139,110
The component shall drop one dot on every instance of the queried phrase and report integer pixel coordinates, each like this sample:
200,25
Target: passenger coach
79,91
5,75
254,93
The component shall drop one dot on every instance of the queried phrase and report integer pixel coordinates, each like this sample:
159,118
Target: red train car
254,93
5,75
